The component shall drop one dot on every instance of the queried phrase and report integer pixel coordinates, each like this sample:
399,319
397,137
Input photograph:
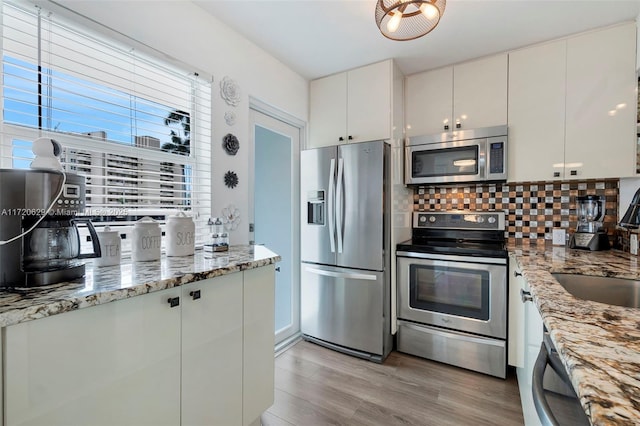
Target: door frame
277,114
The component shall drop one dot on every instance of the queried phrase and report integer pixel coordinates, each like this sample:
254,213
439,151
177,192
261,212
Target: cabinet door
516,316
369,102
601,104
328,111
259,340
211,348
112,364
536,112
533,339
429,102
480,92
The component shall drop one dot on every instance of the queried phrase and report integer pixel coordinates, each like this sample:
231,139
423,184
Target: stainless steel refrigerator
345,248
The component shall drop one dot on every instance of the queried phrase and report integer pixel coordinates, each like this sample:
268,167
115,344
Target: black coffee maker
41,207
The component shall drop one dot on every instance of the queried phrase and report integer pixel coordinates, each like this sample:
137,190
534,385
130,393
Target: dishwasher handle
539,401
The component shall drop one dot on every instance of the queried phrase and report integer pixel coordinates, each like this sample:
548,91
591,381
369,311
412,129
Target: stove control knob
432,219
422,219
480,219
491,220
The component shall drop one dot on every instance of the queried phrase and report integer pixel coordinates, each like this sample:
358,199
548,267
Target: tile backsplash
532,209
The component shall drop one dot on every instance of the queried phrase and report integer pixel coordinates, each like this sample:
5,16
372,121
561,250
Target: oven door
457,292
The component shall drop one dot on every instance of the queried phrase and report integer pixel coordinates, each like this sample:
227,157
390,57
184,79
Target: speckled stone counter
599,344
106,284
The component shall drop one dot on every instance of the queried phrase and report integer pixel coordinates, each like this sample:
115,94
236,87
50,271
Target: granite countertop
106,284
599,344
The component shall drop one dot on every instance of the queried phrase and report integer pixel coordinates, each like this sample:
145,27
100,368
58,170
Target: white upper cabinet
480,93
601,104
536,111
328,110
352,106
465,96
572,113
429,101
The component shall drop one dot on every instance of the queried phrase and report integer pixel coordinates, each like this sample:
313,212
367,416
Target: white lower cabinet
211,344
112,364
533,329
259,342
208,360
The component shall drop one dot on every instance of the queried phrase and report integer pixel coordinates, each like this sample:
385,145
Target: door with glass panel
276,212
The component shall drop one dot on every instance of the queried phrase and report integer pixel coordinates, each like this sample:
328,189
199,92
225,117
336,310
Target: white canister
110,247
146,240
181,235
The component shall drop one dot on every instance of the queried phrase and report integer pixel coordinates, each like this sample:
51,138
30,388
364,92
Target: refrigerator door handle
330,205
347,275
339,206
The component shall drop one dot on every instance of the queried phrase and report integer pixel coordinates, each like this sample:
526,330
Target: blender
590,235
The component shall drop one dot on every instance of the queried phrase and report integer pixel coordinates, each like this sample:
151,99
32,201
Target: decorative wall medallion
229,91
231,217
230,144
231,179
230,118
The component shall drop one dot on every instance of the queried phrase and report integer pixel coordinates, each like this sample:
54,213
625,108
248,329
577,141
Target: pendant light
408,19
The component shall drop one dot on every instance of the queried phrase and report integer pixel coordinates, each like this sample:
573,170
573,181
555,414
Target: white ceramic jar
180,235
110,247
146,240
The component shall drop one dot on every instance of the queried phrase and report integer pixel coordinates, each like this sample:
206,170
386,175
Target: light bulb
394,22
429,10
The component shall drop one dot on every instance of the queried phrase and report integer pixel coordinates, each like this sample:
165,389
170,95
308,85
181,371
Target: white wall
185,32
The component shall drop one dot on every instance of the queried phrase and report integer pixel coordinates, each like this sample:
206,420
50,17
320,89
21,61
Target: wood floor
318,386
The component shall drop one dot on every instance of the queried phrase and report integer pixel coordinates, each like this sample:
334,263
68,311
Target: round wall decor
231,179
230,118
229,91
230,144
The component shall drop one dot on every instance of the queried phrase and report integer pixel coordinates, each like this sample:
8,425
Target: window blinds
138,129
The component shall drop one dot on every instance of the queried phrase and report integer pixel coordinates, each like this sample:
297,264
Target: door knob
277,269
525,296
173,301
195,294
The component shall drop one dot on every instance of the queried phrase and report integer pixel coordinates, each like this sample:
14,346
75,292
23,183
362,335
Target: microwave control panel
496,157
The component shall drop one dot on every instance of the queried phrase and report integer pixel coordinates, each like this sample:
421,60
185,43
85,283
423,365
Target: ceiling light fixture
408,19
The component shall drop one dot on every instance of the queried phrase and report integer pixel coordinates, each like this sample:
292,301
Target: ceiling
321,37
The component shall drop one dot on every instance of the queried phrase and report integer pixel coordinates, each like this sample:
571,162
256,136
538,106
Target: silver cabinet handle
526,296
330,209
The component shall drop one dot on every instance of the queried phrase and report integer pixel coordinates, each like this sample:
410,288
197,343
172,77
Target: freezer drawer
344,307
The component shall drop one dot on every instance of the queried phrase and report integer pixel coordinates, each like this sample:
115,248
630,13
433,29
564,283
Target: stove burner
456,237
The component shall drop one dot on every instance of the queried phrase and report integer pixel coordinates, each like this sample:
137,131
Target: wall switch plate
559,237
633,243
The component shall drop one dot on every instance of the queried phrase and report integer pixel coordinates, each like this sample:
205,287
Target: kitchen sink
613,291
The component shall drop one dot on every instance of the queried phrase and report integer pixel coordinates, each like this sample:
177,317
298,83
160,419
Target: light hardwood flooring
318,386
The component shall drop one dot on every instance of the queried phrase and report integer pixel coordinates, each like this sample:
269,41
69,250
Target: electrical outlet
633,243
558,237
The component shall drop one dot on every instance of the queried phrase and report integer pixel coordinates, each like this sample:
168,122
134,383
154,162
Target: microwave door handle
330,205
339,203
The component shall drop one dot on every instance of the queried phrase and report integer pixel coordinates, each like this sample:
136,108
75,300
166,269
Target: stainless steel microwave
478,155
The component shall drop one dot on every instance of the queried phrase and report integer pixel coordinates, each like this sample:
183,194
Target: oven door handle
346,275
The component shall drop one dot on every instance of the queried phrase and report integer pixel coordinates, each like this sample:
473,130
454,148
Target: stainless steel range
452,290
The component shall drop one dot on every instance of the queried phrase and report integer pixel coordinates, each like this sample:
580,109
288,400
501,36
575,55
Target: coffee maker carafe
590,234
50,252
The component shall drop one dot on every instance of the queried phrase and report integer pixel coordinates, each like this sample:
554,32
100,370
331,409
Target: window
137,129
